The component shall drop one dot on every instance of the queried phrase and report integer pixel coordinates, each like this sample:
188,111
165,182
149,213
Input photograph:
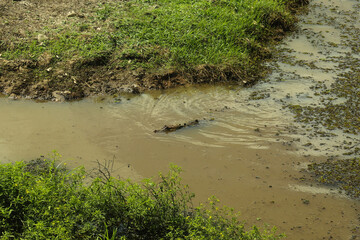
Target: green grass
163,34
44,200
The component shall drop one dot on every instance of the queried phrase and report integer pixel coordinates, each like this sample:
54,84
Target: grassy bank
43,200
182,41
155,34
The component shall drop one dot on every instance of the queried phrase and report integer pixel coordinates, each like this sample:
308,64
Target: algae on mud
344,115
338,107
345,173
134,45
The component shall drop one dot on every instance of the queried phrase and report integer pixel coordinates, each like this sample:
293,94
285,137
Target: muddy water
238,152
246,150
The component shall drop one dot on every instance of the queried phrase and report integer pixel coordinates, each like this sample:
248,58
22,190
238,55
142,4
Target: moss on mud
332,115
344,173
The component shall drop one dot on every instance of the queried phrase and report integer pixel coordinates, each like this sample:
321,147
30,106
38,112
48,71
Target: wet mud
245,156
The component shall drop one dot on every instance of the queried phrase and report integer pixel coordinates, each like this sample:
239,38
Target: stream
246,150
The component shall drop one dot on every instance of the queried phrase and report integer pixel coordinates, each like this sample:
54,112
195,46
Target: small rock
58,96
305,201
45,59
13,96
71,14
134,88
42,37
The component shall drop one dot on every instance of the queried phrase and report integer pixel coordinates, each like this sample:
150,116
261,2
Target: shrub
43,200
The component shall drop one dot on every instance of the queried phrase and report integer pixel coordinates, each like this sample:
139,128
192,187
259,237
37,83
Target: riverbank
66,50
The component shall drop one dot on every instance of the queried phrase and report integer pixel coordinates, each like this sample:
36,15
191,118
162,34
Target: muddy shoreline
17,80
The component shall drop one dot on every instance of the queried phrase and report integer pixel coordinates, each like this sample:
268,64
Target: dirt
17,80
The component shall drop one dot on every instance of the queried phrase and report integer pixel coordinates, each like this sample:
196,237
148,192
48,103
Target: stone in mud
45,59
71,14
13,96
42,37
134,89
173,128
60,96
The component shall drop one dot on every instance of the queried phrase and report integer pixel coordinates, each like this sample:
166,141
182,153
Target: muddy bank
316,77
20,79
330,61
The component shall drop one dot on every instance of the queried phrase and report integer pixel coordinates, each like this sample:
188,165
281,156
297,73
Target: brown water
248,153
254,171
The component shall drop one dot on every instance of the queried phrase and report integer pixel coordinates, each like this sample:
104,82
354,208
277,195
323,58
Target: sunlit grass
166,34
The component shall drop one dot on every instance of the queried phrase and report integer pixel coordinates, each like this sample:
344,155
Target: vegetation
43,200
161,34
135,45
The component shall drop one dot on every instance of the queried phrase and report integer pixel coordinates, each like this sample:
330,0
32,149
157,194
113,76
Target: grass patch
160,34
44,200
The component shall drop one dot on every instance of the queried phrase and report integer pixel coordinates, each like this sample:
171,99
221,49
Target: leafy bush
43,200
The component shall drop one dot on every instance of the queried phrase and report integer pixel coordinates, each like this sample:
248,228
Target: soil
76,79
